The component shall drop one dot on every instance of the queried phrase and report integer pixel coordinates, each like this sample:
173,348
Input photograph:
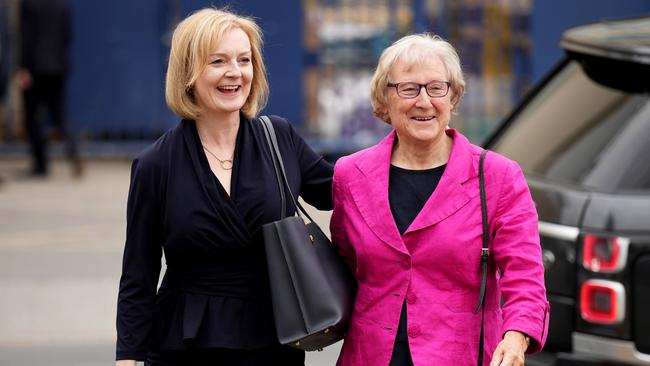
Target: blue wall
119,57
552,17
116,83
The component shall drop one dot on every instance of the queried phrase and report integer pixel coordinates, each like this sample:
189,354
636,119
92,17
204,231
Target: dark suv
582,138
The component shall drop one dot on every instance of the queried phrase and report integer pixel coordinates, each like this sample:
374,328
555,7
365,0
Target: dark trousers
271,356
47,94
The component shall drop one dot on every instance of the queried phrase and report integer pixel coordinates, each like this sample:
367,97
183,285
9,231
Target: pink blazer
435,265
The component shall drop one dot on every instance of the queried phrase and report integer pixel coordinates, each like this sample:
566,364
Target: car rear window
579,132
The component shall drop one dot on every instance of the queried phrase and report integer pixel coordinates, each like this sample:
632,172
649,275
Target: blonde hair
192,43
412,50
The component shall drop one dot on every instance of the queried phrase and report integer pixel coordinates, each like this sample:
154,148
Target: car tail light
604,253
602,301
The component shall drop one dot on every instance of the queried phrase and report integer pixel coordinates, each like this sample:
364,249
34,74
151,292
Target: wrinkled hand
510,351
125,363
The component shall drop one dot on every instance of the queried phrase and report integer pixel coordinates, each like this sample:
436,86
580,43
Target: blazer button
406,264
410,299
413,331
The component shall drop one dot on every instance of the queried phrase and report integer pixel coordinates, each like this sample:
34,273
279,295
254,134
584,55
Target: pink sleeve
518,256
338,223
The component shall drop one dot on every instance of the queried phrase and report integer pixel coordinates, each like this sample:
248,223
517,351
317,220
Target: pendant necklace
226,164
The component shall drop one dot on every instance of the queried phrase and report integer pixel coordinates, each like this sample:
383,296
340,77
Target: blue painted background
552,17
119,55
119,58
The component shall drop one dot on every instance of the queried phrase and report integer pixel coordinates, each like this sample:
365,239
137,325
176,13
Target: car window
579,132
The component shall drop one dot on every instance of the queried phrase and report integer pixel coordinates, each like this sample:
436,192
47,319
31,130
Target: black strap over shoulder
266,123
485,253
283,183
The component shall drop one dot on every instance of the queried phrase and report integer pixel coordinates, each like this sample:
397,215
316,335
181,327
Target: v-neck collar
205,165
224,204
450,195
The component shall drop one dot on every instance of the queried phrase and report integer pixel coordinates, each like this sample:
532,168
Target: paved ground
60,255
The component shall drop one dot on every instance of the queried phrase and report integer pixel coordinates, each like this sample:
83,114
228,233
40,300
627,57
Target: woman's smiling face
225,84
423,118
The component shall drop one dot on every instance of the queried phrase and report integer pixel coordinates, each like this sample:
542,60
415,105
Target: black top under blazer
215,290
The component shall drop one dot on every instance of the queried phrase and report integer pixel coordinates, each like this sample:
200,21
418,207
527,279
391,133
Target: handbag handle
283,182
266,123
485,254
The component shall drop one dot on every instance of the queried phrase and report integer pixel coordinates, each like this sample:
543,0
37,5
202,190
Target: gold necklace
226,164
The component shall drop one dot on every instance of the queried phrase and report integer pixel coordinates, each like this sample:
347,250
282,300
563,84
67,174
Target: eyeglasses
410,90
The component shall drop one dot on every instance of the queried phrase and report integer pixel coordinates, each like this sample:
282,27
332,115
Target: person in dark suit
4,50
45,37
200,194
4,69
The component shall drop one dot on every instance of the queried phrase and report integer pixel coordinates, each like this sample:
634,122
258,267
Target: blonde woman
201,194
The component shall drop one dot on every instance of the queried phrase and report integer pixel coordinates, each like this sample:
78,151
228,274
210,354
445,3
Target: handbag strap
485,254
283,182
278,174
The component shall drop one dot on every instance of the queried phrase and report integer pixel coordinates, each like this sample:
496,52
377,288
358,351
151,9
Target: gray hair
412,50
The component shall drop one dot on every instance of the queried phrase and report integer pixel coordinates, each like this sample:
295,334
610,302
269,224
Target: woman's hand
125,363
510,351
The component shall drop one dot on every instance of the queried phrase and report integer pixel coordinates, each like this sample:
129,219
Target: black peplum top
215,290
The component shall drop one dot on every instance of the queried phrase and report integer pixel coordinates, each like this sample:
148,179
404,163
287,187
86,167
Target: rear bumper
608,349
590,350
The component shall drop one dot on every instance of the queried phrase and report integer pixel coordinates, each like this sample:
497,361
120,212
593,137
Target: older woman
201,194
407,217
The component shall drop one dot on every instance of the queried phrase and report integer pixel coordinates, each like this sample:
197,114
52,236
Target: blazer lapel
452,191
370,193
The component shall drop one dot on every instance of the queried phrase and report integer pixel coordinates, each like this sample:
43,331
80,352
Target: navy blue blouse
215,290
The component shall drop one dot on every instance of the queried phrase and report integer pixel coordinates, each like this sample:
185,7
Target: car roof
623,39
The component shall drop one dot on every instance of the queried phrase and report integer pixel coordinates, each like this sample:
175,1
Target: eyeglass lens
434,89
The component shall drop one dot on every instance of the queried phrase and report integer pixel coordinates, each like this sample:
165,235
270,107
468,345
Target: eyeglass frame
420,86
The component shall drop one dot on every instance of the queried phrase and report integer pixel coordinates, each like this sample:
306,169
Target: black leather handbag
312,289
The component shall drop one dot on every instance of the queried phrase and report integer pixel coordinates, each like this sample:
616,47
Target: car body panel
582,138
